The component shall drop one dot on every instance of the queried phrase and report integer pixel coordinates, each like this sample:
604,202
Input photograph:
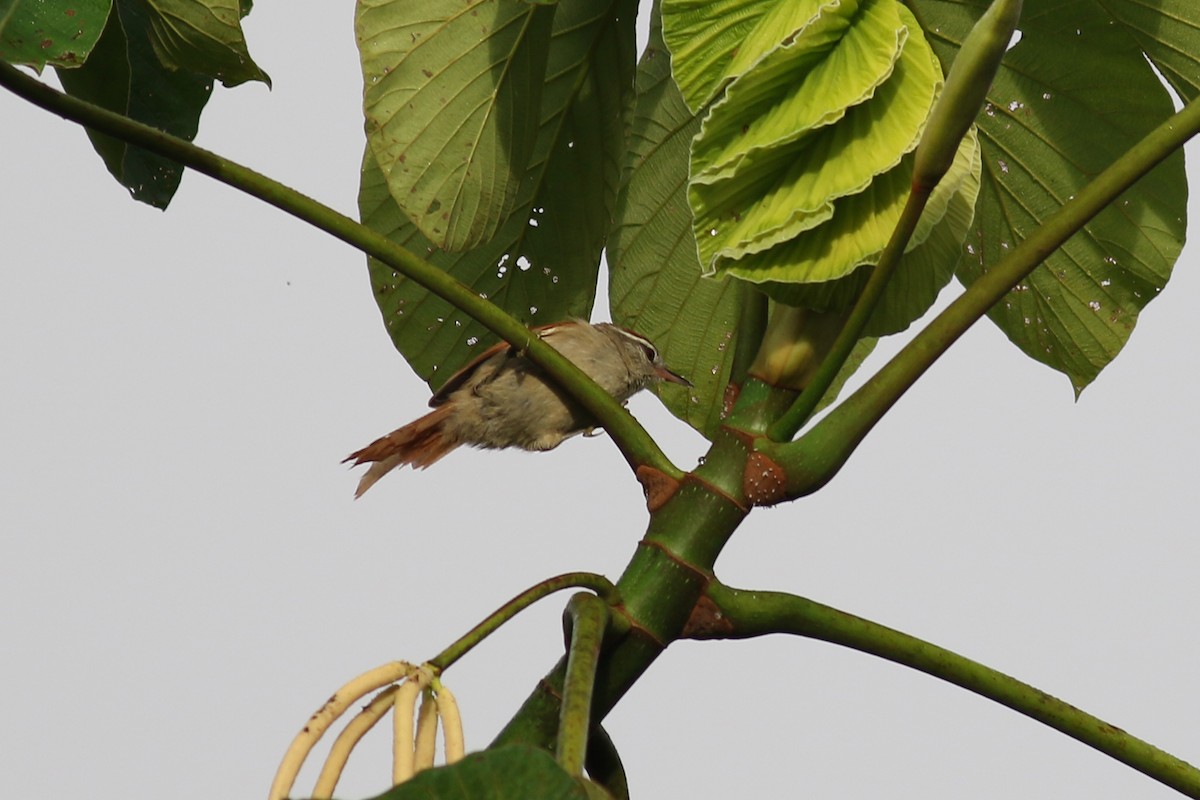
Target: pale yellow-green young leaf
703,37
806,28
778,194
927,267
712,43
860,227
923,271
849,75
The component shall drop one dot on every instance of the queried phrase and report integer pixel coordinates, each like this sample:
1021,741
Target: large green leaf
714,41
799,172
787,188
1071,96
203,36
749,121
924,269
124,73
37,33
655,286
541,265
1169,33
452,97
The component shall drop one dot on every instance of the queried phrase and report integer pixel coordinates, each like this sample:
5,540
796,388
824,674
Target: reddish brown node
732,391
658,486
707,621
764,482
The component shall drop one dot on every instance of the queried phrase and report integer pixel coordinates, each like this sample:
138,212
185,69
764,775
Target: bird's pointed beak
672,377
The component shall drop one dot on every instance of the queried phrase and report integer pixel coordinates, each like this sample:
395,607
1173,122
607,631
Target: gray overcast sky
184,576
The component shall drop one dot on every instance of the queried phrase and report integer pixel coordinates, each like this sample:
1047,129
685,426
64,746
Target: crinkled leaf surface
704,37
655,285
926,267
774,195
714,41
1071,96
541,266
798,174
806,29
203,36
452,98
37,33
750,121
515,772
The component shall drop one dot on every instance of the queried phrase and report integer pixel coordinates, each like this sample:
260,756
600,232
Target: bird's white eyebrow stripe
634,336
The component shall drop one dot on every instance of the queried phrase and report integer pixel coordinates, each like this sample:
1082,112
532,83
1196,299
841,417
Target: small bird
502,399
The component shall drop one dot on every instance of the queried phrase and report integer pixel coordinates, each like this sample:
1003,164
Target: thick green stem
660,587
572,580
952,116
752,323
967,84
747,614
587,619
633,440
816,457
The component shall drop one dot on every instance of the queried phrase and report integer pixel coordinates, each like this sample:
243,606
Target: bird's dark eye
648,349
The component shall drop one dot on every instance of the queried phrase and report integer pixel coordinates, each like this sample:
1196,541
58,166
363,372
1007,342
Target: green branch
816,457
748,614
632,439
587,619
951,118
602,586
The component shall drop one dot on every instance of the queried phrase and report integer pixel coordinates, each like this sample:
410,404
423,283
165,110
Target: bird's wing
456,381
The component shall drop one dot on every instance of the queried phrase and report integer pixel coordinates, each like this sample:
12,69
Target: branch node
658,486
707,621
764,482
729,400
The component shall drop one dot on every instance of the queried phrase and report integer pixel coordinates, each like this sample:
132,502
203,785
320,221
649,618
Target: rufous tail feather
420,443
